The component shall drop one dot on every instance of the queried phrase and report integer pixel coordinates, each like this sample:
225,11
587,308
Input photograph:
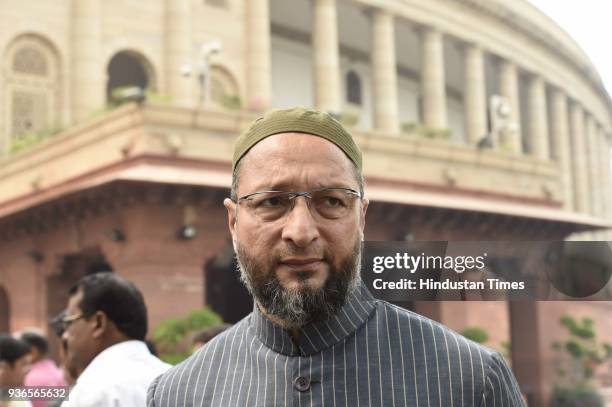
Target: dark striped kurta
371,354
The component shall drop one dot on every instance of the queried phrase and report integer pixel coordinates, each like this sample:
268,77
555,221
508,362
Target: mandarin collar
319,335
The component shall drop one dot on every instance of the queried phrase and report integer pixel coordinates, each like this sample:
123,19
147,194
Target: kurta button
301,384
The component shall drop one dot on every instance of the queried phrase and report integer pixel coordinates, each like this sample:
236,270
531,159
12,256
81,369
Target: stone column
603,182
384,73
178,52
538,118
475,94
88,86
258,58
581,178
561,146
592,164
600,182
605,155
326,56
433,81
509,88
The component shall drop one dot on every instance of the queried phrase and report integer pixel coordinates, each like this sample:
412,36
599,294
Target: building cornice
526,26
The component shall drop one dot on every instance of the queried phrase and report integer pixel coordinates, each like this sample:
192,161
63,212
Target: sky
588,22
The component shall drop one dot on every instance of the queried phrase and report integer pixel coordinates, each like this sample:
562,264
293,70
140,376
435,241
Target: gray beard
296,308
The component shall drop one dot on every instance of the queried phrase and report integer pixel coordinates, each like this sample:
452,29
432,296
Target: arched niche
129,68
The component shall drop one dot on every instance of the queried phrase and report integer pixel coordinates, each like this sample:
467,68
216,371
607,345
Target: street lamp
503,127
203,69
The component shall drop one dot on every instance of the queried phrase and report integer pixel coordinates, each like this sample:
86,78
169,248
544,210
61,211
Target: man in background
44,371
205,335
104,330
14,365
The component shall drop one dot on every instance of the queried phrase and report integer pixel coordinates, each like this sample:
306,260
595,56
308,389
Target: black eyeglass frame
68,320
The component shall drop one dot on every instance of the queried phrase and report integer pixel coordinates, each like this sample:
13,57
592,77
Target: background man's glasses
328,203
68,320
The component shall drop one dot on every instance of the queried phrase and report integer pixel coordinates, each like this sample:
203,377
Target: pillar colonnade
565,132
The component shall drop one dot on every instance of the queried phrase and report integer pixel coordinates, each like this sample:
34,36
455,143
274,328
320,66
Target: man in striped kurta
316,336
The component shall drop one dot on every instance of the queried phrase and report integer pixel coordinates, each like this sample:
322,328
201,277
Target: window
29,112
30,61
32,87
353,88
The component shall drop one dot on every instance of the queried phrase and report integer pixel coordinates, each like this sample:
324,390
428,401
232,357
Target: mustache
289,252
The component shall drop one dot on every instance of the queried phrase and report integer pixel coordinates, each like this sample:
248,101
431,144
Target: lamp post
203,69
502,125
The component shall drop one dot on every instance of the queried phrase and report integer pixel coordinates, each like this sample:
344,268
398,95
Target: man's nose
300,226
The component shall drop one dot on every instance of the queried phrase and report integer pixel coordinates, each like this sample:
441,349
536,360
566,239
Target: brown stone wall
168,270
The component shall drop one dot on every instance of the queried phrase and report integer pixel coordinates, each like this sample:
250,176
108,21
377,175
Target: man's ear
230,206
100,323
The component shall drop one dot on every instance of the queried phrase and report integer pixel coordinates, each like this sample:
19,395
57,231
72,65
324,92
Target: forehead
296,160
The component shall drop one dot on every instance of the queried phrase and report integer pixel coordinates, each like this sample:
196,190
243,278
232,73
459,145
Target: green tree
170,335
476,334
581,354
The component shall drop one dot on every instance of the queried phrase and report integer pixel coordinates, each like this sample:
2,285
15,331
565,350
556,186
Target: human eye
331,199
269,201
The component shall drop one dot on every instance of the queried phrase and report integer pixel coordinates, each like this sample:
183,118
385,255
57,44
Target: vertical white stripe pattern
358,358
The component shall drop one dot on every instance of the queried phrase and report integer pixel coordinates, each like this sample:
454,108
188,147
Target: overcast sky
588,22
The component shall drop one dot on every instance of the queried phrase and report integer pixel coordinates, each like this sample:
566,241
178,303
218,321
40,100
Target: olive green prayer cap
297,120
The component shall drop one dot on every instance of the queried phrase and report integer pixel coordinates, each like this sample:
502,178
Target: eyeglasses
328,203
69,320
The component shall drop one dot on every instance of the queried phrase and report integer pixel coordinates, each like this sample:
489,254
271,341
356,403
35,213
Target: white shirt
118,376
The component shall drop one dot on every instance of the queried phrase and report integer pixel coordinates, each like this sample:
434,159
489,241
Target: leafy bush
412,127
158,98
231,102
409,127
31,139
432,132
581,355
126,94
170,335
476,334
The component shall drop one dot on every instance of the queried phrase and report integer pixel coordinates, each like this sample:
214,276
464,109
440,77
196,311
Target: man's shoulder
118,377
198,364
432,334
433,344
